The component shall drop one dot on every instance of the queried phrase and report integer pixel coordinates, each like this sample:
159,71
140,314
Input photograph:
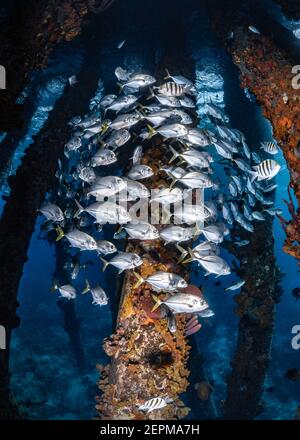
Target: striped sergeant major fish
266,170
269,147
171,89
155,403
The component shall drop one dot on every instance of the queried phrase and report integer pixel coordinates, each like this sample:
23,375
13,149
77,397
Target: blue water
45,377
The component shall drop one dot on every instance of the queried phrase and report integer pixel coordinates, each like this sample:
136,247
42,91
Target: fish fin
54,286
105,263
87,287
175,154
79,210
168,74
60,233
157,301
140,280
151,131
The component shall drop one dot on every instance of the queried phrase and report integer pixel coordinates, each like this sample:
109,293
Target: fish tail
140,280
60,233
87,287
105,263
175,154
157,302
54,286
183,253
80,209
197,230
151,131
121,87
168,74
151,94
174,181
104,128
253,176
141,110
189,260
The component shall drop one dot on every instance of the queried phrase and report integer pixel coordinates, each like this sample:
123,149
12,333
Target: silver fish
52,212
227,214
176,234
170,130
214,264
236,286
78,239
246,150
195,179
242,165
87,174
191,156
126,121
133,190
103,157
122,103
123,261
137,155
122,74
98,294
190,214
258,216
169,101
186,102
109,212
197,136
107,100
166,195
182,303
141,231
162,281
274,211
106,186
213,233
138,81
253,29
117,138
66,291
106,247
139,172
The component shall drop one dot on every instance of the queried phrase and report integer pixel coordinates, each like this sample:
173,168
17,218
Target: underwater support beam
34,177
269,73
26,42
258,297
